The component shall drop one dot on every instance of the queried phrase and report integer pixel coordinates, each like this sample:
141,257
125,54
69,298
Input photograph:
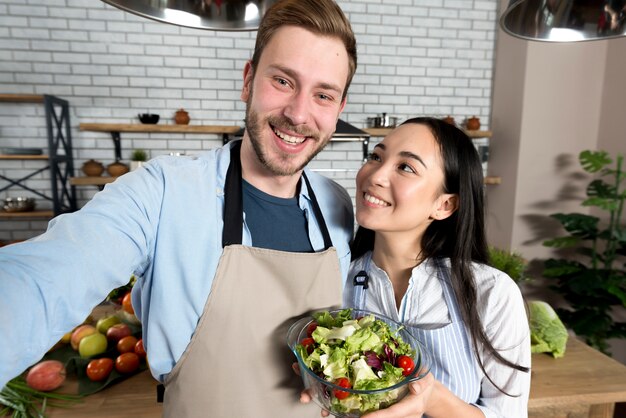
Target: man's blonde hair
323,17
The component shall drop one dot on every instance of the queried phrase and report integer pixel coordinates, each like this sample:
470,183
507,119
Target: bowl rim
423,371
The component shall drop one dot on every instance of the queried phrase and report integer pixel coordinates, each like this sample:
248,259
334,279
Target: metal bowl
148,118
19,204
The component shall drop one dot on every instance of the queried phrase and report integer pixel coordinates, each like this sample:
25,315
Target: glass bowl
345,402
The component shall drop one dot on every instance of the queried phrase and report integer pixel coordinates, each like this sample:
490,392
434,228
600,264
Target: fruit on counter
92,345
46,376
81,332
127,344
140,349
99,369
127,304
107,322
127,363
118,331
65,339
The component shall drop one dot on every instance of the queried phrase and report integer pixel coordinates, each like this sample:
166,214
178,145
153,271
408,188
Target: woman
421,249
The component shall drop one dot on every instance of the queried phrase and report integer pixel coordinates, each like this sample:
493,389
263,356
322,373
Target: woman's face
399,188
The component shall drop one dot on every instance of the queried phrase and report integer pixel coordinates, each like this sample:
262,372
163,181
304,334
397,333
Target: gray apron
238,363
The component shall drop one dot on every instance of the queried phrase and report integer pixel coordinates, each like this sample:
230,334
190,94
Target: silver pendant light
565,20
225,15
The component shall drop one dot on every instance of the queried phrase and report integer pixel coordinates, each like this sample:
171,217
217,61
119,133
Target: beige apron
237,364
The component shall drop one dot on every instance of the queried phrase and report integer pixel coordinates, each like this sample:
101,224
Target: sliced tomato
310,328
343,382
407,364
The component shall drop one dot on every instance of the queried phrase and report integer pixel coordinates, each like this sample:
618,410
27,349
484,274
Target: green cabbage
547,332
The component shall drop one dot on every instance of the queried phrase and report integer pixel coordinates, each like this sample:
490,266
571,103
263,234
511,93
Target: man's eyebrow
324,86
405,154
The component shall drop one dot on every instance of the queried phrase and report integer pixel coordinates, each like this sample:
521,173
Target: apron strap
361,283
233,203
318,214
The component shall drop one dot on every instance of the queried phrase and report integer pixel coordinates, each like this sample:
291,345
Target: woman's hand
305,397
414,405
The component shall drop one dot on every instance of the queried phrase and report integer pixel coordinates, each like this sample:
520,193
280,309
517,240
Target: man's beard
281,167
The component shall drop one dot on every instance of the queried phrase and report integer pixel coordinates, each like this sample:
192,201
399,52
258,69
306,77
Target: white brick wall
416,57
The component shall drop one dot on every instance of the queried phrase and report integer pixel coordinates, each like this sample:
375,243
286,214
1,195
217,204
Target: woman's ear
446,205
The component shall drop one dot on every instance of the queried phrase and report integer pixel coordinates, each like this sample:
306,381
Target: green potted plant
137,158
592,279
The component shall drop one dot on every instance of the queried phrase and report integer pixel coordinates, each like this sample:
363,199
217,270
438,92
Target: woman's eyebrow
405,154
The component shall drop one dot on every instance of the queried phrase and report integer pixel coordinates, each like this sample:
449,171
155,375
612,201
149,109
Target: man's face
294,98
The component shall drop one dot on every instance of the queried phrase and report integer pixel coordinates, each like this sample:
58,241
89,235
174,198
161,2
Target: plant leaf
578,224
560,268
600,188
607,204
594,161
562,242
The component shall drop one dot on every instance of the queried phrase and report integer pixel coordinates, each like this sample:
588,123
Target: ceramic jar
472,124
181,117
117,169
449,119
93,168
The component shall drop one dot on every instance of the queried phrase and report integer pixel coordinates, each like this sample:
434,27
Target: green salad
360,354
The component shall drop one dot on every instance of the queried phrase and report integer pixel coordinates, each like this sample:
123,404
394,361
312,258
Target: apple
46,375
80,332
107,322
92,345
118,331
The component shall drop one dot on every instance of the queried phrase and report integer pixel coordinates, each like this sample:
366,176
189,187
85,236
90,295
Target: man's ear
446,205
248,75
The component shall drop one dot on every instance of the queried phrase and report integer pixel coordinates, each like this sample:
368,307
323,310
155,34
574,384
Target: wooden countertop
582,378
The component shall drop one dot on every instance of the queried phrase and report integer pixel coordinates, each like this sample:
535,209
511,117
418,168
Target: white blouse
500,307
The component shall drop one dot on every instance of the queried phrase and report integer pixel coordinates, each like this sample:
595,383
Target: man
229,245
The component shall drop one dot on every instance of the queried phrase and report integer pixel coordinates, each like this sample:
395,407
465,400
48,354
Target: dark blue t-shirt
274,222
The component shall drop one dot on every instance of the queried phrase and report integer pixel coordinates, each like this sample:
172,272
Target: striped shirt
429,310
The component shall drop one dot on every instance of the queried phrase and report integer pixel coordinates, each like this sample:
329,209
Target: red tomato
407,364
139,349
126,344
344,383
127,363
307,341
310,328
99,369
127,305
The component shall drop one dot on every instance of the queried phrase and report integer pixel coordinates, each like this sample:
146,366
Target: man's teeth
288,138
375,200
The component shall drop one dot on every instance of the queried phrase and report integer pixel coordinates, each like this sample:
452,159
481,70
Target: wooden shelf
135,127
22,98
385,131
91,181
30,214
489,180
23,157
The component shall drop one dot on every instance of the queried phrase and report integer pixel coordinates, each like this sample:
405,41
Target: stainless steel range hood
226,15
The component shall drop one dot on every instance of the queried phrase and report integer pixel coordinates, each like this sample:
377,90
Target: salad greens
364,351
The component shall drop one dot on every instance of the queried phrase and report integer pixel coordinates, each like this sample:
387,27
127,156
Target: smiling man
259,241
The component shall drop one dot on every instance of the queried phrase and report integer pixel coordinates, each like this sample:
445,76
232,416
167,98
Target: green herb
19,400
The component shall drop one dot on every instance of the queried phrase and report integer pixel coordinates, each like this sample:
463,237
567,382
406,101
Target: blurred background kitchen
541,103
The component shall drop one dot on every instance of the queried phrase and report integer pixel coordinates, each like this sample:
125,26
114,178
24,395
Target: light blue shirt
162,223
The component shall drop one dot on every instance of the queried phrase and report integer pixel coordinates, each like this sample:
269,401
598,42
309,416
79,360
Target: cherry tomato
127,363
127,344
99,369
344,383
310,328
407,364
309,344
139,349
127,304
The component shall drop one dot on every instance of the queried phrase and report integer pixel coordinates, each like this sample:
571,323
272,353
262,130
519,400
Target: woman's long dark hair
460,237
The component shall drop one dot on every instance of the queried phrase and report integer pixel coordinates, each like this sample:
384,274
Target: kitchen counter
584,383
